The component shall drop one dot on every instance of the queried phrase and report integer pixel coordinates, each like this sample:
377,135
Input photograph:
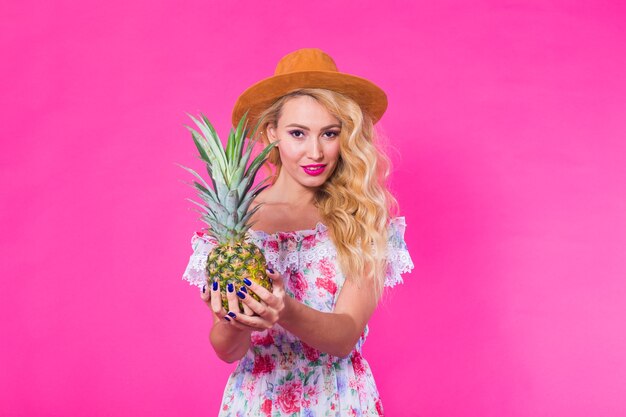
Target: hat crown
305,59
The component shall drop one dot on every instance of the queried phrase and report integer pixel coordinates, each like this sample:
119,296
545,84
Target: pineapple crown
225,205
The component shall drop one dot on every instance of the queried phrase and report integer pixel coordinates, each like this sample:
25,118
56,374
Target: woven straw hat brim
262,94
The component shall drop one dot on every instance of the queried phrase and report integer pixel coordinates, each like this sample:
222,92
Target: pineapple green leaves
225,204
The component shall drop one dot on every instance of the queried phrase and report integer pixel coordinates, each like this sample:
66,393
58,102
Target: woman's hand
212,297
269,310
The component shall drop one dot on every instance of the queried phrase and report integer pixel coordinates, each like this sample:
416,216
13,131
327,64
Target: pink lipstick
314,169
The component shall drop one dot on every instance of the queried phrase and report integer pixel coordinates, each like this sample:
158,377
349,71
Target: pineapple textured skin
231,263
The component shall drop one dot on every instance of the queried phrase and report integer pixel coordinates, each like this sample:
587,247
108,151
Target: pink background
507,121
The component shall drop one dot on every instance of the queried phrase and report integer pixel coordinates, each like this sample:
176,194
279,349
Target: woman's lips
314,170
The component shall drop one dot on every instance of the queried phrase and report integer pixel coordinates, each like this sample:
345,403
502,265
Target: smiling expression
309,140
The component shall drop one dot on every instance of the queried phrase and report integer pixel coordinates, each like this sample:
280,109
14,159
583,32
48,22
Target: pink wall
508,121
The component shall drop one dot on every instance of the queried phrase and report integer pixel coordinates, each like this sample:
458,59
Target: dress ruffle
291,250
398,258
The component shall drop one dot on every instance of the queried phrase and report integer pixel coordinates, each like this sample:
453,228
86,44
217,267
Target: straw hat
313,68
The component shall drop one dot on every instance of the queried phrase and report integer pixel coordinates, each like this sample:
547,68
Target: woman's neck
287,191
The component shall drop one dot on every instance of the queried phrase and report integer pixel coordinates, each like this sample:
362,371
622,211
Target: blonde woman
332,242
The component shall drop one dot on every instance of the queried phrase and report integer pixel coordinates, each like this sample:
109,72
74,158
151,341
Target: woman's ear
271,134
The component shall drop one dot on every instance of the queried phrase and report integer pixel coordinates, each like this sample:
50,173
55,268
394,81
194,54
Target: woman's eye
300,134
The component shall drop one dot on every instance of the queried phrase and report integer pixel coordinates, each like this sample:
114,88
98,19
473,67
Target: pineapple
225,205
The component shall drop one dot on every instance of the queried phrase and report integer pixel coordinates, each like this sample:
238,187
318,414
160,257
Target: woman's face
309,140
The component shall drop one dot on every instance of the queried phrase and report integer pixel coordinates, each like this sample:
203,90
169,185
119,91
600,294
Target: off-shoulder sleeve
398,259
202,244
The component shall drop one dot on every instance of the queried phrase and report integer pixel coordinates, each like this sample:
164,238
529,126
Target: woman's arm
334,333
229,339
230,344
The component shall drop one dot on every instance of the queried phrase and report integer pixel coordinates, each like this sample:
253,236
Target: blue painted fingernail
241,295
230,313
231,288
203,289
271,270
226,317
214,285
244,289
247,281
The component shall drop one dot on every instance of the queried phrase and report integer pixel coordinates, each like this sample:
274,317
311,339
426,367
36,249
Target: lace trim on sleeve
282,255
195,271
398,258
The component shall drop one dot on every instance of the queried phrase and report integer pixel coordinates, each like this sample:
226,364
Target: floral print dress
281,375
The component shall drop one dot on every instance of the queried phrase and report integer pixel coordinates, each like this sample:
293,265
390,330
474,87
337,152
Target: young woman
328,233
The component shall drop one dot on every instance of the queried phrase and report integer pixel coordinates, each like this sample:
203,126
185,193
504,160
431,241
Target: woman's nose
315,149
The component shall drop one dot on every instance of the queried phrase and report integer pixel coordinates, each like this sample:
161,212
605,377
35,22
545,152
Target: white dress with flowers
280,375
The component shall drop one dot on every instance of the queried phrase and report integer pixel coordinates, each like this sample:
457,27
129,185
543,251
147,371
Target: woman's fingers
233,301
264,294
240,326
256,316
219,317
277,279
257,307
255,323
240,320
205,295
212,296
216,300
246,309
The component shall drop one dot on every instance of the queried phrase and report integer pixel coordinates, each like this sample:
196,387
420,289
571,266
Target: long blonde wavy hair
354,203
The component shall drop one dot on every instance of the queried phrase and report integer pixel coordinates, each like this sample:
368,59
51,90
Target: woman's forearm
230,344
332,333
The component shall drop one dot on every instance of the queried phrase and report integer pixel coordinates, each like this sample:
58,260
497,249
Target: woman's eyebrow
306,128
